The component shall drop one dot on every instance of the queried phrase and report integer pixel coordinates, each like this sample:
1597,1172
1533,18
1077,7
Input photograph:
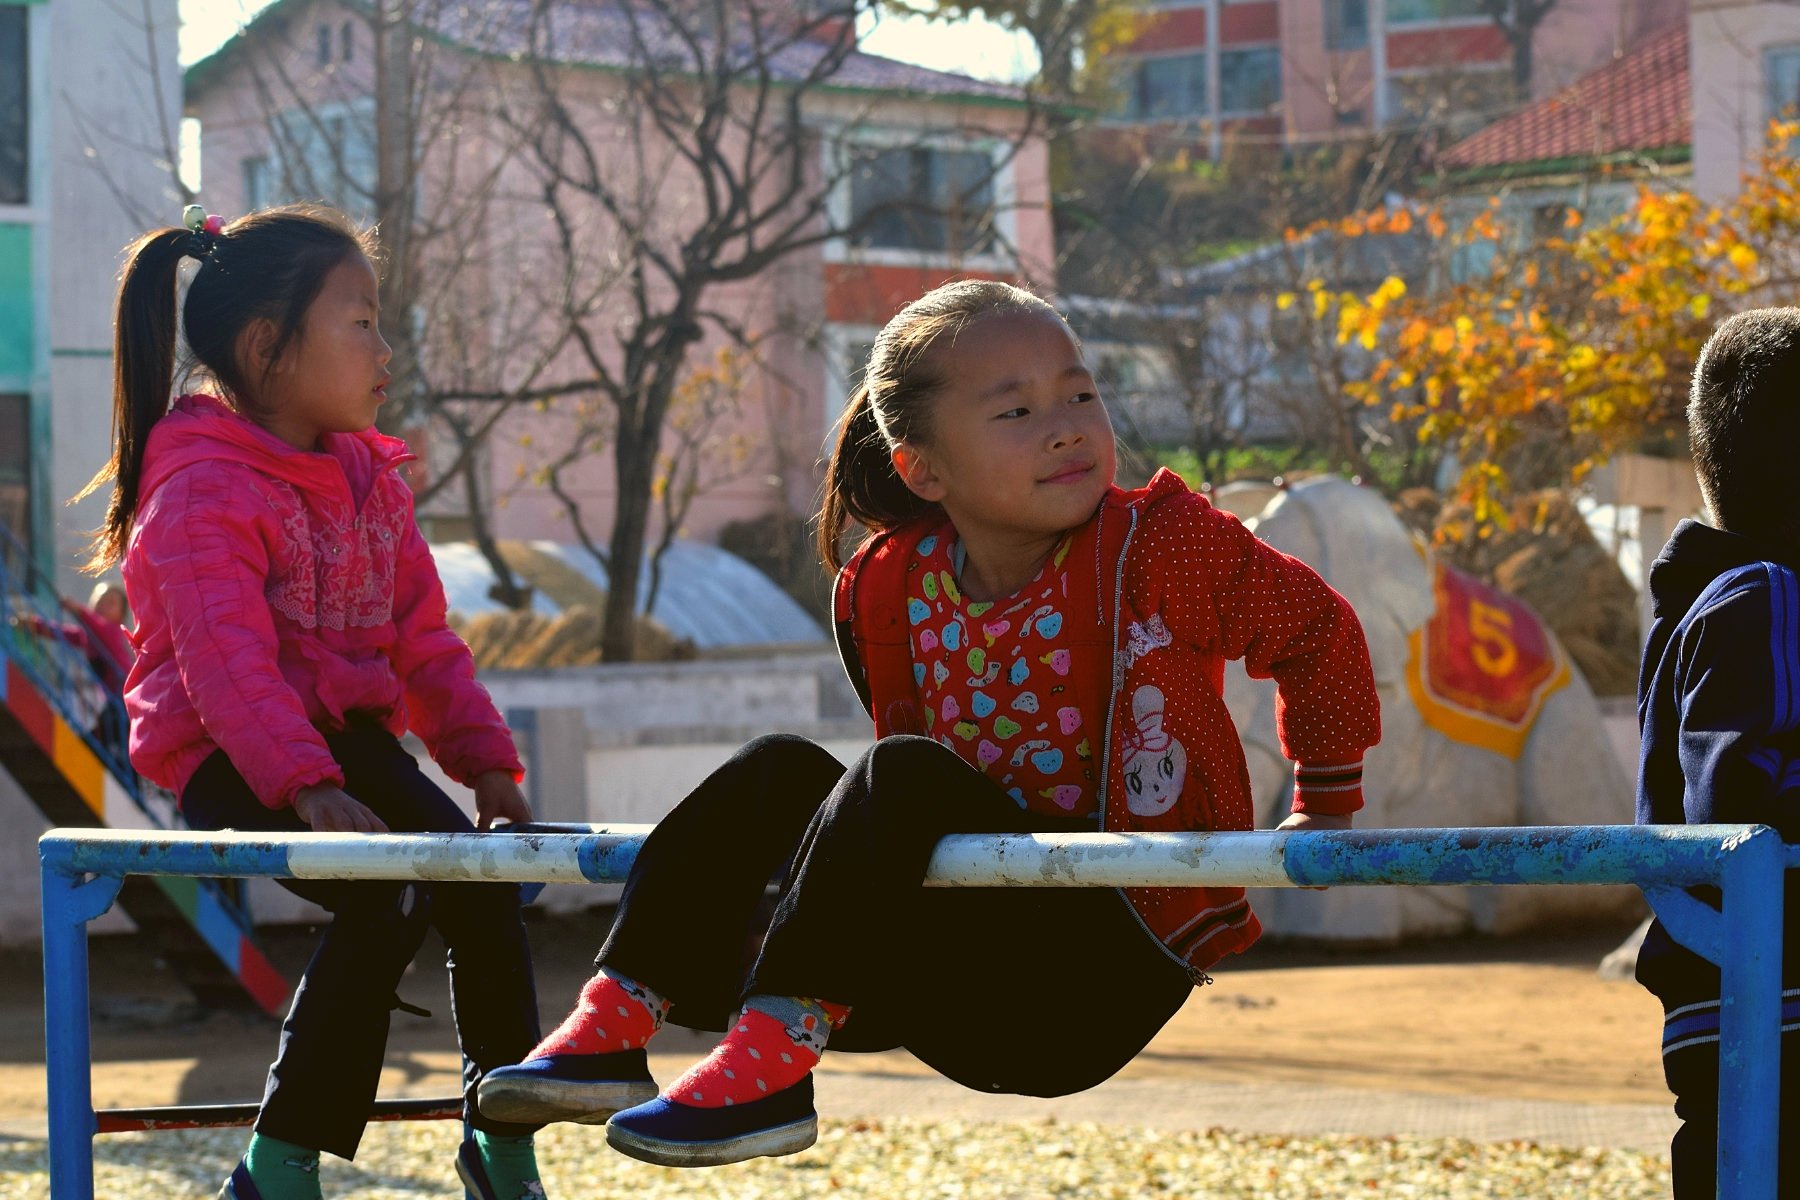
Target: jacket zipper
1198,977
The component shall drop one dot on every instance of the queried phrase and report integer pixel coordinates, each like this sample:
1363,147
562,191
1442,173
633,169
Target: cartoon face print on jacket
1155,763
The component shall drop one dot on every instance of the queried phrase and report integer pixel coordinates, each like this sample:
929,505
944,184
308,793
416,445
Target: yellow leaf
1443,340
1699,304
1321,302
1285,301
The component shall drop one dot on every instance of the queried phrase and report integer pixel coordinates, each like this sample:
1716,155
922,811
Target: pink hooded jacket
277,592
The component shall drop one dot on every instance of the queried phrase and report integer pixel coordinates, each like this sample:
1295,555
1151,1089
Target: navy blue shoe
679,1135
473,1172
587,1088
240,1186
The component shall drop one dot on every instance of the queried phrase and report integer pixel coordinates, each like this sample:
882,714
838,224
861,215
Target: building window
15,465
1420,12
1249,80
1346,24
258,184
1781,76
15,109
329,155
922,198
324,32
345,36
1173,86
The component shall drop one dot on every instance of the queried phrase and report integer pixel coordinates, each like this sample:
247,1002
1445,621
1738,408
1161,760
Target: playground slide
51,707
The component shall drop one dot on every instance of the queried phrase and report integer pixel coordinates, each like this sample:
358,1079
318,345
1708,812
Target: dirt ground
1523,1018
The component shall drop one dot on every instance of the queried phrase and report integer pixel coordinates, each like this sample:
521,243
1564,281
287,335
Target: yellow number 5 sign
1482,666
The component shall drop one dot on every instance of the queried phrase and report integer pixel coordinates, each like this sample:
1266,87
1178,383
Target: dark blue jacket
1719,711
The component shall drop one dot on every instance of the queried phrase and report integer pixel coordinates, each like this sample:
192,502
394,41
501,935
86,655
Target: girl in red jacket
290,627
1040,651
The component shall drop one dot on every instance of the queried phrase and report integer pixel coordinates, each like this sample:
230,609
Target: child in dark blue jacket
1719,696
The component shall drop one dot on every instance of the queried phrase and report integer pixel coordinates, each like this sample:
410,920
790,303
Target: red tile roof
1638,102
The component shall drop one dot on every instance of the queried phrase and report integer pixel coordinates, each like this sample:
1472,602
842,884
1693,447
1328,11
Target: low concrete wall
620,744
604,744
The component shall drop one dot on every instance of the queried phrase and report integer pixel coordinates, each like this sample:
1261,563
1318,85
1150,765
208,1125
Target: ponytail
861,483
267,266
144,332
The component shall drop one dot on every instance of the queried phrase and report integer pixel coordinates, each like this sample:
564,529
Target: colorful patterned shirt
993,680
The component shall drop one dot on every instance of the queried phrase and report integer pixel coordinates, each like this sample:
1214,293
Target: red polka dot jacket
1177,587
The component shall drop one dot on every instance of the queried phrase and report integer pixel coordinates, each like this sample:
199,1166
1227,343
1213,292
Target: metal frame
82,871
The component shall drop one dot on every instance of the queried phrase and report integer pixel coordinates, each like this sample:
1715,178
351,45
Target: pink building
1298,71
955,182
1746,74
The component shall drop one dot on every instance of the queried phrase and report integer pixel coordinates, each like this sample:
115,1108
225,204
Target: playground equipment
52,702
83,870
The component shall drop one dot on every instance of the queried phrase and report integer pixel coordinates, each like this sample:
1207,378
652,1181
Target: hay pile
517,641
1550,559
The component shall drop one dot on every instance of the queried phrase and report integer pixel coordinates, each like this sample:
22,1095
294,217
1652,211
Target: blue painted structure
82,871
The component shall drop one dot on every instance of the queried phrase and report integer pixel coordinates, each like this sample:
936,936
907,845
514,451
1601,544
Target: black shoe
679,1135
587,1088
240,1186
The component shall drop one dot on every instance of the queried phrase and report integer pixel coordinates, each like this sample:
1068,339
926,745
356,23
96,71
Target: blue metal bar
69,903
1649,856
1746,862
1750,1016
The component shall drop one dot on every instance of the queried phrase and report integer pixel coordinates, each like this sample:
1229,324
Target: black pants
1693,1075
322,1084
1034,991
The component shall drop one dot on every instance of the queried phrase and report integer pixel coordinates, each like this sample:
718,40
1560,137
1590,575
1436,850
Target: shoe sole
471,1185
767,1143
528,1101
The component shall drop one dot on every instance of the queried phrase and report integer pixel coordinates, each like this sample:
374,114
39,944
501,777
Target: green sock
511,1166
282,1170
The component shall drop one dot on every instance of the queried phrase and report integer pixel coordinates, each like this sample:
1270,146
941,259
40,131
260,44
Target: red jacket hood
202,428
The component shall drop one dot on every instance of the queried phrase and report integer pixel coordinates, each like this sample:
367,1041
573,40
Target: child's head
107,601
975,399
1744,424
280,317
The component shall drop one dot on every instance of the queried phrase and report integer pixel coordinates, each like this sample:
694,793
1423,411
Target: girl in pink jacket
291,626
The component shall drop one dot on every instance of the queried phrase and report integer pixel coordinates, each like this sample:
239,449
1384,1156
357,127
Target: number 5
1495,653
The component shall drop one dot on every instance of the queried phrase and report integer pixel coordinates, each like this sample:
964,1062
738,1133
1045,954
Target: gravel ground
891,1159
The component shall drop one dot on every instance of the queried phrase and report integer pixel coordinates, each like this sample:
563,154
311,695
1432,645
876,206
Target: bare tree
709,155
377,123
1518,21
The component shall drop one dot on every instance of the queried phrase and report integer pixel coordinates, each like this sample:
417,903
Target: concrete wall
624,744
600,744
1729,39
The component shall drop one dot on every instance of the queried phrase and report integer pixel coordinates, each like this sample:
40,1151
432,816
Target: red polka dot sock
775,1042
614,1013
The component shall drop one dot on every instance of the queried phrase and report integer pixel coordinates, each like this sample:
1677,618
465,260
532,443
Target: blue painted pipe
82,870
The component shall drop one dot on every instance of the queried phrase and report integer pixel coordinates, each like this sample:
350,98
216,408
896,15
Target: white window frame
840,142
1769,54
358,110
835,343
